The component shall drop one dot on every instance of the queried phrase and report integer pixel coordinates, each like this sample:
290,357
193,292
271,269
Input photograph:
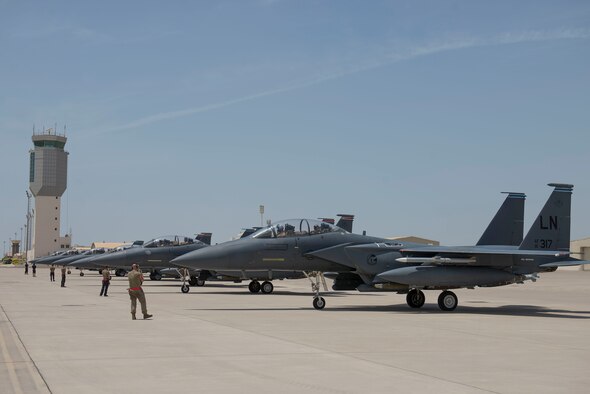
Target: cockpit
169,240
297,228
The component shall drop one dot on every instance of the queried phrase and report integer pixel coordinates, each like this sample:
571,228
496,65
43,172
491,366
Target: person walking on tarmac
106,281
26,268
63,276
52,273
136,292
34,267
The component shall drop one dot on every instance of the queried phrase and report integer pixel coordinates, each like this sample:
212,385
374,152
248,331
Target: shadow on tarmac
506,310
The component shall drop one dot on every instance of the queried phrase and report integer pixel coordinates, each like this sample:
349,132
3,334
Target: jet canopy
169,240
297,228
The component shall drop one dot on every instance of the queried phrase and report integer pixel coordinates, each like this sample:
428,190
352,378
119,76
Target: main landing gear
415,298
318,301
196,281
447,300
155,275
266,287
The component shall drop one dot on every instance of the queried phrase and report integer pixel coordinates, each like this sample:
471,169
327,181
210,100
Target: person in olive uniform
136,292
63,276
52,273
106,281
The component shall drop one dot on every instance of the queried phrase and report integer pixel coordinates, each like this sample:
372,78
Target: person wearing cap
136,292
106,281
52,273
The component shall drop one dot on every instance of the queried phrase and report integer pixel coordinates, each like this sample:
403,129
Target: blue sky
186,116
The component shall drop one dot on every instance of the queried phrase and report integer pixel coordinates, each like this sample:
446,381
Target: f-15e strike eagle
365,263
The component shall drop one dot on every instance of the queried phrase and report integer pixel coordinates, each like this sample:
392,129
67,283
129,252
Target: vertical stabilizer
345,222
506,228
205,238
551,229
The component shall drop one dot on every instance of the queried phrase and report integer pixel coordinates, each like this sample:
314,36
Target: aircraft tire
415,298
319,303
185,288
254,286
120,272
266,287
152,276
199,282
81,273
447,301
193,281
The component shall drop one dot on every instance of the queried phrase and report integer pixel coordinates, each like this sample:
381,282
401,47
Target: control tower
48,175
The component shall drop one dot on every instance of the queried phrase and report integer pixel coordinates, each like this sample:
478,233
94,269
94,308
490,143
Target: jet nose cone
211,257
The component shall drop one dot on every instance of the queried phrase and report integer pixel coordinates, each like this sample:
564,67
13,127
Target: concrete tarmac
221,339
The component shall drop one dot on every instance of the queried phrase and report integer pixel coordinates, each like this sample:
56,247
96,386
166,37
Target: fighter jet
409,269
266,275
314,247
87,253
153,255
52,258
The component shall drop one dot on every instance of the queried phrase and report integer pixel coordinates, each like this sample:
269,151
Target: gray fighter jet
345,222
152,255
312,247
87,253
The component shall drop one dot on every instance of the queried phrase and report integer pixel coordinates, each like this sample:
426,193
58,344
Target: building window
32,168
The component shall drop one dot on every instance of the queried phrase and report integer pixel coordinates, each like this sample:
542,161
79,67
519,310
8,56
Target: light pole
262,216
28,225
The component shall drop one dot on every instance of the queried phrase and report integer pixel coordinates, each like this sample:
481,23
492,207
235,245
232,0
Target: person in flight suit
106,281
63,276
52,273
136,292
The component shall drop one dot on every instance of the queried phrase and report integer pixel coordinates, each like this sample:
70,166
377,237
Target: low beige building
580,249
418,240
106,245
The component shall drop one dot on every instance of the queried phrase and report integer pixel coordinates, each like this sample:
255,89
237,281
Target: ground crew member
136,292
34,266
52,273
63,276
26,268
106,281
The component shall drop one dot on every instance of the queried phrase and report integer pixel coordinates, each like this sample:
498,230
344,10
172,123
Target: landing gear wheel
415,298
185,288
120,272
193,281
157,276
447,301
319,303
81,273
254,286
152,276
267,287
199,282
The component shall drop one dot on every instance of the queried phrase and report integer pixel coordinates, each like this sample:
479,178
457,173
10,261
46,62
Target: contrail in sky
386,60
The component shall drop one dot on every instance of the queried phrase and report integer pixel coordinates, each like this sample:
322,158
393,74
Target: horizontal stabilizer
566,263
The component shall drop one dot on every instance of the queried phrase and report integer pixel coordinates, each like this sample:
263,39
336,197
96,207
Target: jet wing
478,250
